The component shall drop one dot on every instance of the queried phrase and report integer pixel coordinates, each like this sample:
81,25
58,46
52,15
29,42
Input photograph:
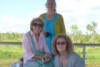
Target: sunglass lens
60,43
34,24
39,25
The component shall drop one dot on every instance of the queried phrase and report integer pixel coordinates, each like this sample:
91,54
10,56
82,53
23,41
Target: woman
64,55
35,50
53,22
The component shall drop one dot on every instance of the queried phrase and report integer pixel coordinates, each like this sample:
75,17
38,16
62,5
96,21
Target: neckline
50,18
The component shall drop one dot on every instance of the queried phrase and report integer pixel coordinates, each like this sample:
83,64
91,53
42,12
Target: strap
31,40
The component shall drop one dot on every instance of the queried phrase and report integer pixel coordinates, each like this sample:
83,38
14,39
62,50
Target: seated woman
35,50
64,55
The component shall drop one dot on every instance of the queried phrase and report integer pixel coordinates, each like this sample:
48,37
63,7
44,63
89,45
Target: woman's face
61,45
50,5
37,27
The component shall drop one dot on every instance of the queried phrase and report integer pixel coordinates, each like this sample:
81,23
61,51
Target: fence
89,52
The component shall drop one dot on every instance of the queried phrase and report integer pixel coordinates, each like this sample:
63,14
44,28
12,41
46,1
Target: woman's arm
27,49
62,25
37,57
79,61
59,25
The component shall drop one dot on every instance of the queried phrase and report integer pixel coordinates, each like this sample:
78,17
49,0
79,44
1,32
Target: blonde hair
34,20
69,45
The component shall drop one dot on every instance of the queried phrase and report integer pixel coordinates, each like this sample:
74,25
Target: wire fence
12,51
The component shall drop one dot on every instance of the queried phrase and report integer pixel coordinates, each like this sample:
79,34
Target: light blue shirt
73,60
49,27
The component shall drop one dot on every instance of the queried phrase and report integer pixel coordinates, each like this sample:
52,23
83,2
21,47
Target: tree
76,34
92,27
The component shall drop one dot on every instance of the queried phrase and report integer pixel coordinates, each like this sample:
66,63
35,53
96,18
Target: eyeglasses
60,43
36,24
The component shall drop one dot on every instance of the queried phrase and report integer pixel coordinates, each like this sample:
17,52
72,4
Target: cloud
79,8
80,12
13,23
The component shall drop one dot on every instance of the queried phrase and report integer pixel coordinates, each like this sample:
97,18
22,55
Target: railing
82,45
10,43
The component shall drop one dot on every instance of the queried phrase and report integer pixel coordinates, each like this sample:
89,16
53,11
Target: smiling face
37,27
50,5
61,45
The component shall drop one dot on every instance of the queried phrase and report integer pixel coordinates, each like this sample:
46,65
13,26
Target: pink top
28,48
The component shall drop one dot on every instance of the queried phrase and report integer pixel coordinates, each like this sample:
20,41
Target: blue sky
15,15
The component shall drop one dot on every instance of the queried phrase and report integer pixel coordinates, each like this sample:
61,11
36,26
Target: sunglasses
36,24
60,43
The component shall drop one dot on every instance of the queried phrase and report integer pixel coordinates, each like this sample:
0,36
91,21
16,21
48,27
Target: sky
15,15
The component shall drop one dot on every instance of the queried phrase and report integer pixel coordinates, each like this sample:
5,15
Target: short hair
34,20
69,45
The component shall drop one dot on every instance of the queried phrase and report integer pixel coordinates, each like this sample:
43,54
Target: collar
41,33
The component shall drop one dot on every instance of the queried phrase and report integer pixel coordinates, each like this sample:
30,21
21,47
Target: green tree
92,27
76,34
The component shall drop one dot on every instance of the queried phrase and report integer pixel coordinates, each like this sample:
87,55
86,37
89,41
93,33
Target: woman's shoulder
59,14
74,54
78,60
42,15
26,34
60,17
76,57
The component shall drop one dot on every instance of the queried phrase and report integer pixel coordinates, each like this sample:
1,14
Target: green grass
9,54
92,57
12,53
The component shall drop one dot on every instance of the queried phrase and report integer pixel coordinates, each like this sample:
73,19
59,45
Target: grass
92,57
9,54
12,53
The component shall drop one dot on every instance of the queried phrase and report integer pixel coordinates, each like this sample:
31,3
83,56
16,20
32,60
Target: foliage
11,36
78,37
92,27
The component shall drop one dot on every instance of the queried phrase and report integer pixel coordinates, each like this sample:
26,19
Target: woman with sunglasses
64,55
53,23
35,50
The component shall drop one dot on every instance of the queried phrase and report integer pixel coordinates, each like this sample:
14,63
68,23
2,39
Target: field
12,53
9,54
92,57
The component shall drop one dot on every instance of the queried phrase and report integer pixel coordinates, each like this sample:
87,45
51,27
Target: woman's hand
46,57
47,34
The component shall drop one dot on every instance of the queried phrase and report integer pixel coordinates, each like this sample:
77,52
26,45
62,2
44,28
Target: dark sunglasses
60,43
39,25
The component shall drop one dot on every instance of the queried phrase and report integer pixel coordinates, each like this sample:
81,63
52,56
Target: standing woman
53,23
64,54
35,50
